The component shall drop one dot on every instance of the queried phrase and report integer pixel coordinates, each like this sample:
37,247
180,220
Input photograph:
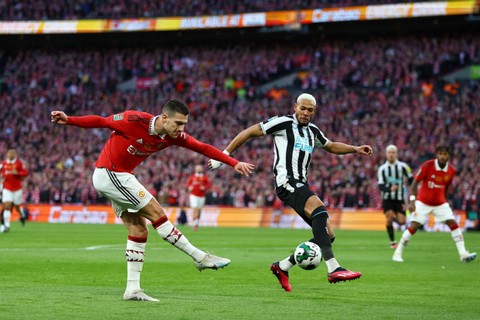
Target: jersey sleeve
275,124
186,141
189,182
408,172
320,140
116,122
22,170
420,175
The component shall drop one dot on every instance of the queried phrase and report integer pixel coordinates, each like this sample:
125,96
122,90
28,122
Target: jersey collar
295,120
11,161
437,167
151,128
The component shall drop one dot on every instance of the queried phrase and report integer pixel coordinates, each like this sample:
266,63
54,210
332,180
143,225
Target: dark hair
173,106
443,148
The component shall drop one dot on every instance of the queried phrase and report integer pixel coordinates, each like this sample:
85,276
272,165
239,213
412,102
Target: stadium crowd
377,92
116,9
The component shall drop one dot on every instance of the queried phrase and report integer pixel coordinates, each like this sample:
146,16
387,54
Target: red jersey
134,139
13,182
435,182
199,183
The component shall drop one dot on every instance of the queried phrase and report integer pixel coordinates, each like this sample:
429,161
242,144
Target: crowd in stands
368,92
116,9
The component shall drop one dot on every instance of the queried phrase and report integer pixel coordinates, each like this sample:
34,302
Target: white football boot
138,295
212,262
468,257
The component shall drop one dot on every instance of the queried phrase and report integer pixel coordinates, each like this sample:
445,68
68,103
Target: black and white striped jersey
394,173
294,144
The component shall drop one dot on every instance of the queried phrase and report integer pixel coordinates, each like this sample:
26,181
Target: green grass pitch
66,271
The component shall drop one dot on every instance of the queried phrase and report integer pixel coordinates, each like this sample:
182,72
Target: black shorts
394,205
296,196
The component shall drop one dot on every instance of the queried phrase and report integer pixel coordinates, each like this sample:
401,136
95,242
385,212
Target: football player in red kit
197,185
435,177
136,135
13,171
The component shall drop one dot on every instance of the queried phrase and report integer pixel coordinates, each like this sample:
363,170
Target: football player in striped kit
295,138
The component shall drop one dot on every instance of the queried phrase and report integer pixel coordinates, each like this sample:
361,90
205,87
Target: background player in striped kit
294,141
392,177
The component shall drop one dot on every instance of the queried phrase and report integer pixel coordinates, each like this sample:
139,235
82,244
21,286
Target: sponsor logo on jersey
141,194
134,151
302,143
118,117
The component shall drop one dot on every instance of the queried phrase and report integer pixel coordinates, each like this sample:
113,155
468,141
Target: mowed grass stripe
42,282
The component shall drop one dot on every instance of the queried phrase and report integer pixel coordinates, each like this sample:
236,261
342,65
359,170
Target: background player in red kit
198,185
435,176
137,135
13,171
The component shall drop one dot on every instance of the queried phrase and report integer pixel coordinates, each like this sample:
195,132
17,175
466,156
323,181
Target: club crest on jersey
302,143
118,117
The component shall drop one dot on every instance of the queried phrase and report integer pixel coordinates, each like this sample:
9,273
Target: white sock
285,264
135,255
6,218
170,233
21,211
406,236
332,264
458,238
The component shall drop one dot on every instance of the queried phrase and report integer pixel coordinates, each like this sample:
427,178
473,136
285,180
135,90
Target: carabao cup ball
308,255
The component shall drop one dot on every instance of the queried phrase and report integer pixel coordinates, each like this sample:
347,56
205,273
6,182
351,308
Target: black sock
320,233
391,233
292,259
331,240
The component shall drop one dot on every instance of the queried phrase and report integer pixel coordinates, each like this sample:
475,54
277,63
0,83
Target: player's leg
389,217
135,253
418,218
165,229
316,211
7,198
196,218
7,213
444,213
17,202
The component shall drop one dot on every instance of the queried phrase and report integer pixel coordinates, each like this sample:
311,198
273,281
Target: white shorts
197,202
441,213
12,196
123,190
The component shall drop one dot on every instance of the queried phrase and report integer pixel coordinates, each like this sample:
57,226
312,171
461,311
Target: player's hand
58,117
244,168
214,164
411,206
394,188
364,149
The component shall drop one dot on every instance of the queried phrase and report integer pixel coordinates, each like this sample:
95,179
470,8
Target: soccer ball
308,255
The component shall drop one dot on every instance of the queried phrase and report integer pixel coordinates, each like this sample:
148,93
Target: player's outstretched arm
343,148
58,117
238,141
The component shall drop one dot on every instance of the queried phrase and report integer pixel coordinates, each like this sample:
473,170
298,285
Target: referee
295,139
392,176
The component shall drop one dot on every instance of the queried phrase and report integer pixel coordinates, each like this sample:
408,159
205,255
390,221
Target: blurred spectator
364,89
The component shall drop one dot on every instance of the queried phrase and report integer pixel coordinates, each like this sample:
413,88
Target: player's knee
453,225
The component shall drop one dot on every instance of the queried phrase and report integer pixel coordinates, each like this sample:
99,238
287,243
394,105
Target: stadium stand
116,9
368,92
